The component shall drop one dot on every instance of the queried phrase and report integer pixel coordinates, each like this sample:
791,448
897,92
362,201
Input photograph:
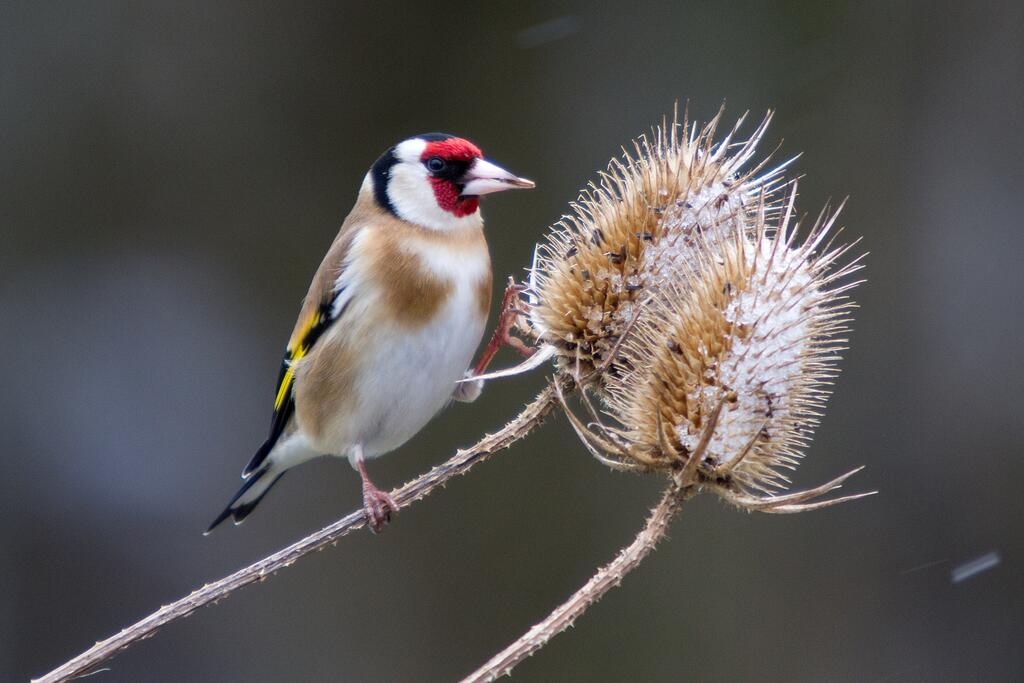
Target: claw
378,506
502,336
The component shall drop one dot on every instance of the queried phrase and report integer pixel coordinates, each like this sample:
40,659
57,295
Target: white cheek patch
412,194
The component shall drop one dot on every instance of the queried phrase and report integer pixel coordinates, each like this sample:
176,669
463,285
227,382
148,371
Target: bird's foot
511,309
378,506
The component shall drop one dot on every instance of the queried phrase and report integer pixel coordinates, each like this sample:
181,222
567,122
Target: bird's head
435,180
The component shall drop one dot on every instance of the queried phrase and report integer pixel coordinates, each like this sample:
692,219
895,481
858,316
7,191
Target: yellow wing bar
297,349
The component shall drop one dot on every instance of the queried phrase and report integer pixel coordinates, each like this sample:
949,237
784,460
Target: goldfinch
391,320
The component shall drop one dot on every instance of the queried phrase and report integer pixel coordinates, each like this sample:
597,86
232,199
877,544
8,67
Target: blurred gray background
170,176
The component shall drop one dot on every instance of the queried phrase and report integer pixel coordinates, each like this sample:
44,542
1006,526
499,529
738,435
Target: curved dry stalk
592,441
796,501
604,580
529,418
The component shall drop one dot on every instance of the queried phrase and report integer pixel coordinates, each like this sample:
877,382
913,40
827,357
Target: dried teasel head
633,232
728,372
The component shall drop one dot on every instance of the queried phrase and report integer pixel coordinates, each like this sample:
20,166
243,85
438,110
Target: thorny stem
529,418
604,580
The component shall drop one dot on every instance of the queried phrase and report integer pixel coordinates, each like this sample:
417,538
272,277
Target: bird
387,331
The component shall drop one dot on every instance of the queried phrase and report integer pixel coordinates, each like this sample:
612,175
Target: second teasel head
734,367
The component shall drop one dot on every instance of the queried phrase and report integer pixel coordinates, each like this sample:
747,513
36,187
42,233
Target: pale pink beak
483,177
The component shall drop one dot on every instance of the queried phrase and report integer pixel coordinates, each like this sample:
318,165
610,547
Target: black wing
284,400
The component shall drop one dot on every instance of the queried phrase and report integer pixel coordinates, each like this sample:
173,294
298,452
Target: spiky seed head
632,233
754,332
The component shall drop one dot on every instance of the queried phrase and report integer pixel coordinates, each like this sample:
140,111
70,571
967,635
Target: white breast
408,375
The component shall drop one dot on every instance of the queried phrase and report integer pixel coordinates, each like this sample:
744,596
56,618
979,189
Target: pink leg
502,335
377,505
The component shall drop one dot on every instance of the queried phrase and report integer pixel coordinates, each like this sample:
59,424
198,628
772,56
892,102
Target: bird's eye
435,164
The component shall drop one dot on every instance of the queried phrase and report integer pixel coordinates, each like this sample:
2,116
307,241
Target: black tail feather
260,455
239,511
